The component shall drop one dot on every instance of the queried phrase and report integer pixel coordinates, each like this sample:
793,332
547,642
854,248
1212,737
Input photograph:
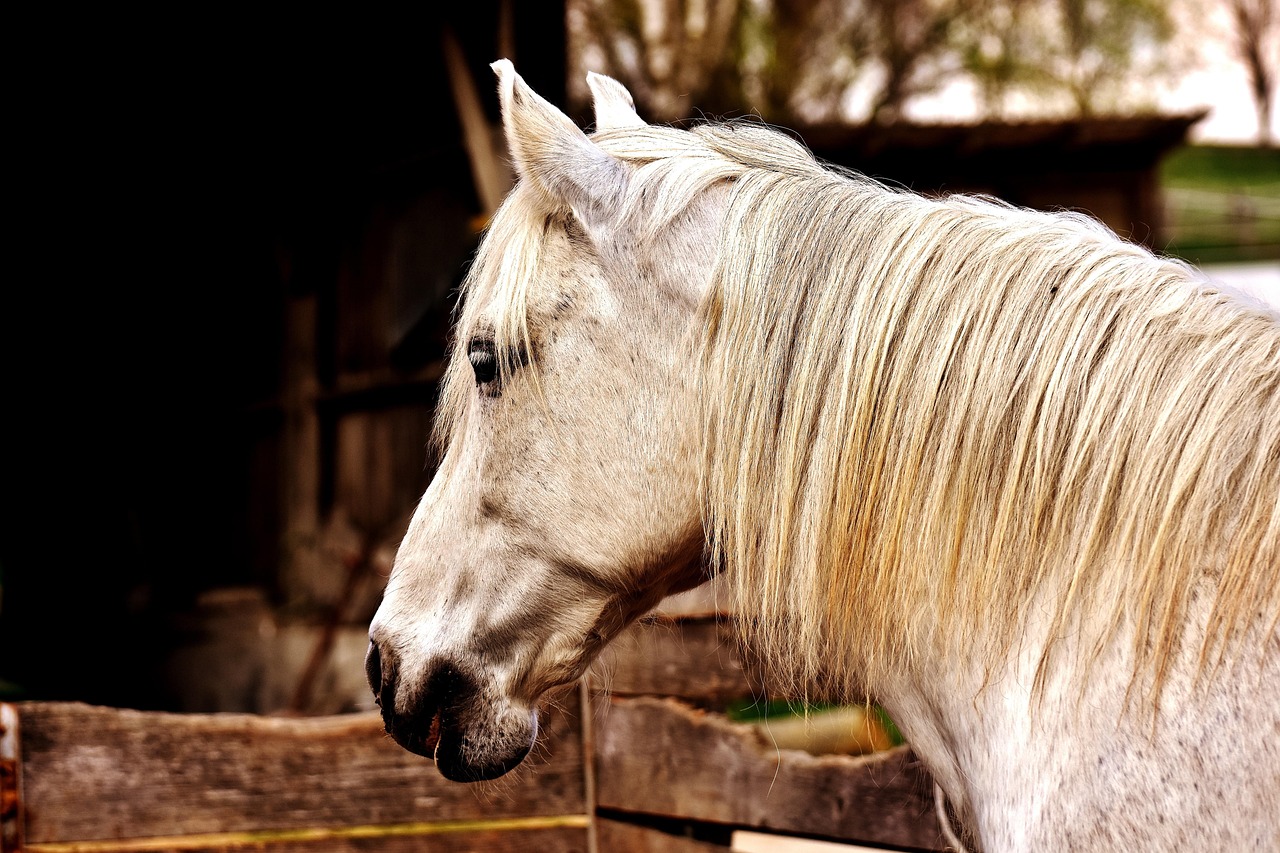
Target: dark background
175,181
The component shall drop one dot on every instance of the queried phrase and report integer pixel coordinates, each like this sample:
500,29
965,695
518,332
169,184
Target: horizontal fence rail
105,779
642,761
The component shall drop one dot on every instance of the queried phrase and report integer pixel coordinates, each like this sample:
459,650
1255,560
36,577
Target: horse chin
471,750
462,759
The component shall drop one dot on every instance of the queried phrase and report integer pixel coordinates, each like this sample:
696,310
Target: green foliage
1079,56
755,710
1223,166
1223,203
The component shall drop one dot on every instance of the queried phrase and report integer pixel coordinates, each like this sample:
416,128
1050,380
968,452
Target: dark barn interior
205,206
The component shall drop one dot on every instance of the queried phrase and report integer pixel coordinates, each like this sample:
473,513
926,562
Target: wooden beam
513,835
697,659
105,774
661,757
488,166
618,837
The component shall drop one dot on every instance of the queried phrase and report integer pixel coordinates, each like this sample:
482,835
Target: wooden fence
644,766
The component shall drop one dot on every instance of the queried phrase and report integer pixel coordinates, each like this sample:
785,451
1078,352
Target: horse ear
550,150
615,108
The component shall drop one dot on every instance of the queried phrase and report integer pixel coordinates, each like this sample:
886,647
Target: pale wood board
708,599
103,773
556,840
618,837
692,658
661,757
759,842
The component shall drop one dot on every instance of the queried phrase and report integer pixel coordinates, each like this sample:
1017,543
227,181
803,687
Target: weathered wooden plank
489,167
709,599
10,780
692,658
521,841
549,839
761,842
102,773
618,837
662,757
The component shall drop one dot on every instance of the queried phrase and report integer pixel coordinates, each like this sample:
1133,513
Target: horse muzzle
447,716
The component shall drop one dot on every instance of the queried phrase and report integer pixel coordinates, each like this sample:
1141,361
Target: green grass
1222,166
756,710
1222,203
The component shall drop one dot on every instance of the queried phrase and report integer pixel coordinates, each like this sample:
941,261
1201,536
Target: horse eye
484,361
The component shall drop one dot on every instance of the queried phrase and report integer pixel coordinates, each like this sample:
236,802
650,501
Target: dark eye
484,361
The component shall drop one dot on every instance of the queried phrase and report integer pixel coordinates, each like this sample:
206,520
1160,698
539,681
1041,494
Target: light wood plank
661,757
693,658
102,773
760,842
618,837
525,840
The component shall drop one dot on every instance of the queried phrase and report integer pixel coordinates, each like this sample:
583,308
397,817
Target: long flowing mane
923,412
920,414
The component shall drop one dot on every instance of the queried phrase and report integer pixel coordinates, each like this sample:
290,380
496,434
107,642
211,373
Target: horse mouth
413,736
467,753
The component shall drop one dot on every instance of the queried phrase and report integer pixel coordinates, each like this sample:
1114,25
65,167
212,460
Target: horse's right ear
615,108
550,150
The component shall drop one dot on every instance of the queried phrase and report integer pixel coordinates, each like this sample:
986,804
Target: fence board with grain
109,779
650,766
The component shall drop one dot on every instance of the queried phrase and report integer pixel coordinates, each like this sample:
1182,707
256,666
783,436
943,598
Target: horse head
566,501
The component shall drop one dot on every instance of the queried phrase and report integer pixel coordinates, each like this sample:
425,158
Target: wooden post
300,453
101,780
11,834
488,167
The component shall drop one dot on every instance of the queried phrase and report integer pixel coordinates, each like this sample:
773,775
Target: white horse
1011,477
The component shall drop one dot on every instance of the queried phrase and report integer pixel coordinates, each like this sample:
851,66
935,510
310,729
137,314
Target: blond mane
922,413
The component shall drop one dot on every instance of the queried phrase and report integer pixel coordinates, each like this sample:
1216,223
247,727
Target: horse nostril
450,687
373,670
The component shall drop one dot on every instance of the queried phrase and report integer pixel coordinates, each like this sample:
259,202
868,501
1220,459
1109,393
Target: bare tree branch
804,60
1256,24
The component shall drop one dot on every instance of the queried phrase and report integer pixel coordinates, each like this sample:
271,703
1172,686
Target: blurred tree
912,46
788,59
870,56
1256,42
1076,57
672,54
822,60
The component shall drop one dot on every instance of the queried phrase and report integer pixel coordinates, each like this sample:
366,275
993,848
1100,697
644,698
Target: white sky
1260,279
1217,81
1221,87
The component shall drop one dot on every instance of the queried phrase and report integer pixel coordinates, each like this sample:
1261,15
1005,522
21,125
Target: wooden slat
661,757
488,165
618,837
103,773
709,599
10,780
551,839
692,658
761,842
